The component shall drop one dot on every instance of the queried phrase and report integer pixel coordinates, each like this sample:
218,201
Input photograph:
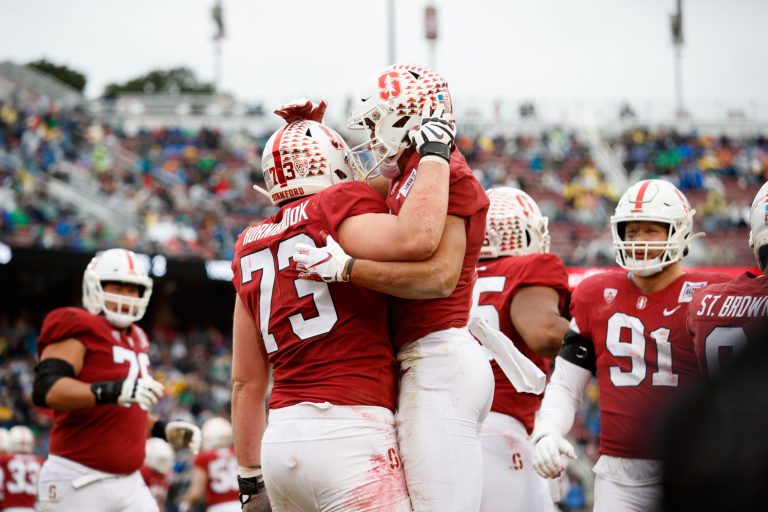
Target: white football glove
327,263
144,391
436,134
548,455
183,434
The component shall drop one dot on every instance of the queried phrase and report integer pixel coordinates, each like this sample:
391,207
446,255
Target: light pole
391,32
677,40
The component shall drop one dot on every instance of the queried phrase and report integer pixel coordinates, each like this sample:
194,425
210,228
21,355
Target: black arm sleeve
579,350
47,372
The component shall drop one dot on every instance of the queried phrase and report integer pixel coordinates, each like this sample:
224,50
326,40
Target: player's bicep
70,350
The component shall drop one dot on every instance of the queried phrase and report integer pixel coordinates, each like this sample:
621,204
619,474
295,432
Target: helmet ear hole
340,174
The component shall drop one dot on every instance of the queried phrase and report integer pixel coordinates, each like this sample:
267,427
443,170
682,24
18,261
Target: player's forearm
248,420
417,280
563,396
421,220
69,394
547,337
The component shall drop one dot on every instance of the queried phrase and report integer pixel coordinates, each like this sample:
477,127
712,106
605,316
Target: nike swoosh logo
437,135
327,257
671,311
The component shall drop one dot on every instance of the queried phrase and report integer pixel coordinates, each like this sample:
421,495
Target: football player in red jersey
520,290
19,471
446,384
628,328
724,317
214,475
94,372
331,441
156,471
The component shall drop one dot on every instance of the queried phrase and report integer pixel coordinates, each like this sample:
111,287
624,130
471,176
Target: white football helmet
116,265
655,201
4,440
305,156
389,107
21,439
514,225
158,455
217,433
758,224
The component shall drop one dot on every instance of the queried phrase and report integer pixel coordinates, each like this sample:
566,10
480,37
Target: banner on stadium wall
578,274
160,266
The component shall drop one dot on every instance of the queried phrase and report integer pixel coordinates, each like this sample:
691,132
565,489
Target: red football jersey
18,480
723,317
221,467
414,319
106,437
327,342
157,482
498,282
644,354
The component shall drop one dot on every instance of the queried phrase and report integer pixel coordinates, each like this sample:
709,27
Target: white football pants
66,486
627,485
318,457
446,388
510,484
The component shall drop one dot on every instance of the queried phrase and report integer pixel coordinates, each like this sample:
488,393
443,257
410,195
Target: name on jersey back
291,216
733,306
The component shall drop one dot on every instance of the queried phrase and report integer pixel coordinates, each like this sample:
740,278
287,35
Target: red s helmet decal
389,85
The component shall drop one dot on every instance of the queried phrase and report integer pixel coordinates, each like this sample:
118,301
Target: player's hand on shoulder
548,455
329,263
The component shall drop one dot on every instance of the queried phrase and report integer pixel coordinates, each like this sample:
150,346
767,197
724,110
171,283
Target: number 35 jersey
105,437
326,342
644,354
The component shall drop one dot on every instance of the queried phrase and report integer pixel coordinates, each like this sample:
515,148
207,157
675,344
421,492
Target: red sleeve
64,323
349,200
580,306
465,195
203,458
545,270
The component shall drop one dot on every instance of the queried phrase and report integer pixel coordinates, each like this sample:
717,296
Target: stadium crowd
189,191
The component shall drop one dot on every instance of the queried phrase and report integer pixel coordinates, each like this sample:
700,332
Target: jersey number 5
304,328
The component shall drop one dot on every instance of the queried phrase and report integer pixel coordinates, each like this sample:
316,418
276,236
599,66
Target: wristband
107,392
348,274
433,158
436,148
249,471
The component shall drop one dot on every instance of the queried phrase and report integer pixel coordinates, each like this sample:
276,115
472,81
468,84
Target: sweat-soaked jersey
106,437
326,342
498,282
414,319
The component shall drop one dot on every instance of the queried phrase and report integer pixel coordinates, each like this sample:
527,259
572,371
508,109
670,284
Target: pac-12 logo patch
389,85
609,294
